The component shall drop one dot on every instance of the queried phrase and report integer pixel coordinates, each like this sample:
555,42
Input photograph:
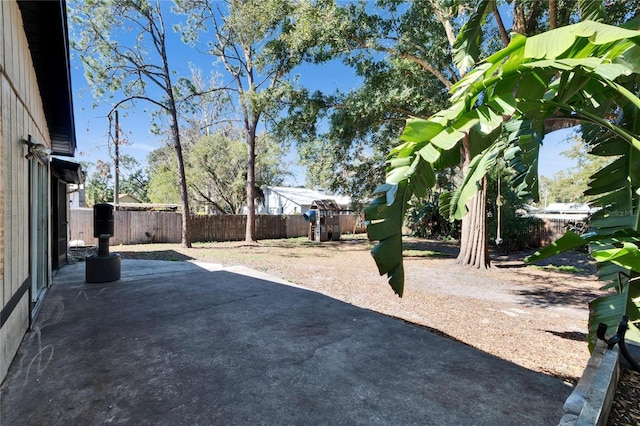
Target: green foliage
99,186
515,229
136,184
387,45
563,71
163,177
218,164
617,255
425,221
216,167
569,186
466,49
423,215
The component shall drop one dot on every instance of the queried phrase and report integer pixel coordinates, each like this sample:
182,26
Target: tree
547,82
409,56
123,46
569,186
218,165
586,72
135,180
99,188
243,34
383,47
162,188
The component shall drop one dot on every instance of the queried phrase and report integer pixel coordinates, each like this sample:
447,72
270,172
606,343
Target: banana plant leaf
607,310
466,49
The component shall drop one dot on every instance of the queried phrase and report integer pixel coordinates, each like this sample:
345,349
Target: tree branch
424,64
503,32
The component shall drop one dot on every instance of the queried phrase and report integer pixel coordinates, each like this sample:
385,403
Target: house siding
21,114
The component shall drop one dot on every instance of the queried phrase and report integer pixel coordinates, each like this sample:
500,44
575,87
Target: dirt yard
533,316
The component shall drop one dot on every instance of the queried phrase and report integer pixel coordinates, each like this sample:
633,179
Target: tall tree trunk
519,20
250,233
503,31
474,246
185,237
553,14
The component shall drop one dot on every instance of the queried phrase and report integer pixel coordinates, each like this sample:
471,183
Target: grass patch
424,253
561,268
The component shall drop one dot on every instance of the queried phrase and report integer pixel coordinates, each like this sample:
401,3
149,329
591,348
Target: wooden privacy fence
136,227
551,230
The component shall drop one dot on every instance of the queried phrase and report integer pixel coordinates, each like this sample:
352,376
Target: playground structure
324,223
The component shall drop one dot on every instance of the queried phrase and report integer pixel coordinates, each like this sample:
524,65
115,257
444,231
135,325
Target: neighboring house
36,121
128,199
285,200
76,195
568,211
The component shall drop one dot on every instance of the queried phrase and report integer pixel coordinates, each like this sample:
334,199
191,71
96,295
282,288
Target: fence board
136,227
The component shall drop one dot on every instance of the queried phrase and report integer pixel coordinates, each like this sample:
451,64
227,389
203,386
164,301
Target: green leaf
633,311
591,10
504,104
466,48
419,130
455,204
572,72
607,310
627,256
384,224
552,44
448,138
429,153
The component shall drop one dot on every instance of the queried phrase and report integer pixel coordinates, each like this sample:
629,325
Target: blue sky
92,124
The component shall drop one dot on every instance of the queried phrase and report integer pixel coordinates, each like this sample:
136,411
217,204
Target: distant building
128,199
286,200
570,211
76,195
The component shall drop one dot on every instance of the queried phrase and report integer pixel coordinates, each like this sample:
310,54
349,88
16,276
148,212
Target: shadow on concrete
169,255
177,343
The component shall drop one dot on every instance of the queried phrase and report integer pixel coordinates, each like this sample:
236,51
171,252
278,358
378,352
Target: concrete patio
185,343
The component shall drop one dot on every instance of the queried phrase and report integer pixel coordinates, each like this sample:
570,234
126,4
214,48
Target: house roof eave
45,26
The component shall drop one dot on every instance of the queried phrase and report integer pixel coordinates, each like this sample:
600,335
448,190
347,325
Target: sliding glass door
38,228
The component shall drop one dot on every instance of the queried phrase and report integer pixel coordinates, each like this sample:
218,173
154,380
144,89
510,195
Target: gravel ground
533,317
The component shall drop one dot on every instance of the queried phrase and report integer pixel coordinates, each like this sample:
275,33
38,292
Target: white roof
568,208
305,196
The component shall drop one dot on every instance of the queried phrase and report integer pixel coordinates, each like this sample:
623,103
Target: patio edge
590,402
